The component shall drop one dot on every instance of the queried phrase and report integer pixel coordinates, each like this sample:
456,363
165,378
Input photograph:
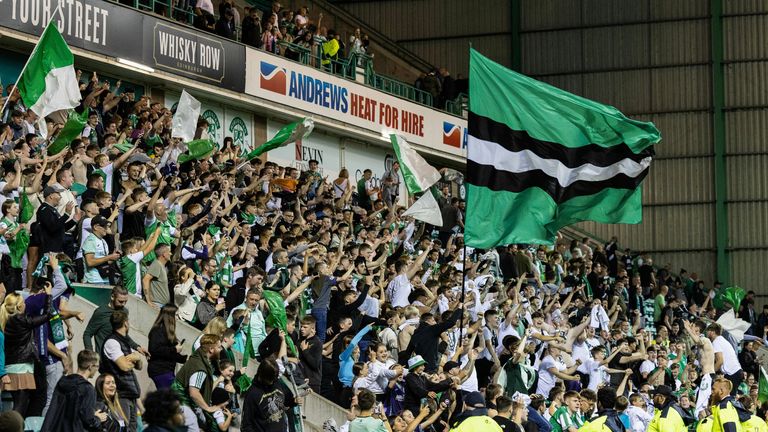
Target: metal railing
458,106
399,88
181,11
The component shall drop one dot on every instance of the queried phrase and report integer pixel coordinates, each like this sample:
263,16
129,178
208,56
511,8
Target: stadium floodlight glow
136,65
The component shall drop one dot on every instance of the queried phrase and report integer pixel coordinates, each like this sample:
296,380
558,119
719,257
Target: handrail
399,88
458,106
346,68
376,36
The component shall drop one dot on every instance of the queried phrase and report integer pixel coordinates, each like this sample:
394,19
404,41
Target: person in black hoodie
267,401
427,336
73,406
164,348
419,386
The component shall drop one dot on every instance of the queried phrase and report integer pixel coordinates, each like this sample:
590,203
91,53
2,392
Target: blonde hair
9,308
215,326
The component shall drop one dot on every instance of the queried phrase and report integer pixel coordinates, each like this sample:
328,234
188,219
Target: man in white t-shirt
551,368
400,287
109,168
649,364
726,360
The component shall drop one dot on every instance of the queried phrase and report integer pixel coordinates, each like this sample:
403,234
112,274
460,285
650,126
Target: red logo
272,78
451,135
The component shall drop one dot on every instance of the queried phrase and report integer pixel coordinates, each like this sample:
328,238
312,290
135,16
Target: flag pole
5,103
463,290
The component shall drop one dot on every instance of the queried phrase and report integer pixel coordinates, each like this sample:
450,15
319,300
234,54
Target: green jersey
130,268
563,419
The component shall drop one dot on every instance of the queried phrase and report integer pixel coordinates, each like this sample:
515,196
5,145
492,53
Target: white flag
185,118
733,325
417,173
426,209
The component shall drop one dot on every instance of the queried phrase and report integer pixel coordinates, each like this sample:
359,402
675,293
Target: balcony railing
182,12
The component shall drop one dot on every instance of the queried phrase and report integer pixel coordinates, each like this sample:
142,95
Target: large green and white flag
540,158
288,134
762,386
48,82
417,173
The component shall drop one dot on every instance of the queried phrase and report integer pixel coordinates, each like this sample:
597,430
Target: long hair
112,403
9,308
166,319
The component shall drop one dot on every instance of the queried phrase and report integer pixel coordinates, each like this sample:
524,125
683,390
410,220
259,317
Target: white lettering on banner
294,85
75,18
177,47
209,57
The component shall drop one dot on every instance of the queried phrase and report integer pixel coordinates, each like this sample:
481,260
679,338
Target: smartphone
424,401
220,300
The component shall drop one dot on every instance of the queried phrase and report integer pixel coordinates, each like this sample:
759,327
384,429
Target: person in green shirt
567,417
134,250
370,419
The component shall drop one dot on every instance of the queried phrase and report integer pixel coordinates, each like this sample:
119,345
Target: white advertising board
282,81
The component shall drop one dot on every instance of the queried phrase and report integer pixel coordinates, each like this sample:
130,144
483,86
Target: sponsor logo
239,131
272,78
188,52
452,135
213,124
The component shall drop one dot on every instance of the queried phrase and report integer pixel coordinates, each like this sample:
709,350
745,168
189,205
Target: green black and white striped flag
540,158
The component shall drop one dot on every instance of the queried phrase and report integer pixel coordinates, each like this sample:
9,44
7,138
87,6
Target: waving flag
540,158
48,83
290,133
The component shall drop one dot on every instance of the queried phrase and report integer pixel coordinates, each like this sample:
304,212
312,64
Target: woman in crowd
164,348
210,306
20,357
108,401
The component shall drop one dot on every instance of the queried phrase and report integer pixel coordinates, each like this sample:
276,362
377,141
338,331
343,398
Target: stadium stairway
316,409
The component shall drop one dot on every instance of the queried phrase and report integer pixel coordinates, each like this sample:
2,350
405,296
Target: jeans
53,374
163,381
129,408
321,315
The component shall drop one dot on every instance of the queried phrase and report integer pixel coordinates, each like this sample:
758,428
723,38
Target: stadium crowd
324,284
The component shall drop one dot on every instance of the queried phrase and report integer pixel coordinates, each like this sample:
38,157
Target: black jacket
426,338
264,408
51,226
311,362
19,335
251,32
163,354
72,407
417,386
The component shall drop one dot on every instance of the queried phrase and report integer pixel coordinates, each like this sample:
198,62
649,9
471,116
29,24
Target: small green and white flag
48,82
418,175
290,133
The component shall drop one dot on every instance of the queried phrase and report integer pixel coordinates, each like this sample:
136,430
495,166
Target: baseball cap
475,400
100,221
49,190
450,365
